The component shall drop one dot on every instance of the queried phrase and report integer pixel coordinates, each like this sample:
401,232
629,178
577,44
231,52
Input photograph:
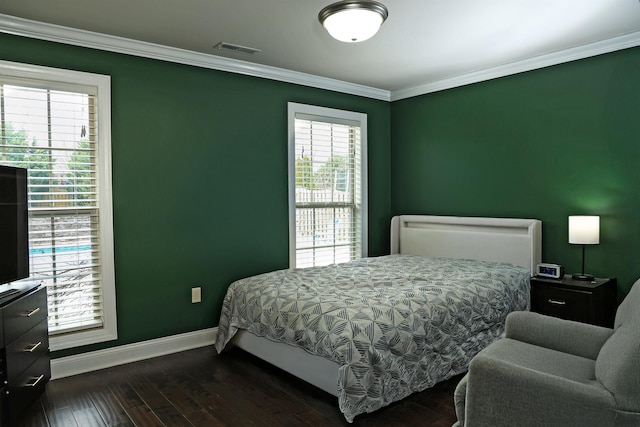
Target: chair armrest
503,394
580,339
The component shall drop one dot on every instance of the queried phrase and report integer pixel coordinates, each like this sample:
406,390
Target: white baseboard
92,361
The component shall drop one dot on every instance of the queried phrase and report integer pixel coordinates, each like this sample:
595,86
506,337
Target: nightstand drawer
580,300
563,303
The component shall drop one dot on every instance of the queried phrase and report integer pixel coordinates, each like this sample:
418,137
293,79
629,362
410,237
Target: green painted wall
544,144
200,177
200,180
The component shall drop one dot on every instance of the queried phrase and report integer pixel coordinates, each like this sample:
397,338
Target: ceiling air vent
236,48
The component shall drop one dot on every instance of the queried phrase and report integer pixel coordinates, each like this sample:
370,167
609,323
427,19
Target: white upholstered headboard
513,240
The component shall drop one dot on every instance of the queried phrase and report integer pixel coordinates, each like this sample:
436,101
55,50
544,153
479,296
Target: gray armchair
553,372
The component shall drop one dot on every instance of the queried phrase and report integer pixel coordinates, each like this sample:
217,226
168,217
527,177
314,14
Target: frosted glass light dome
353,21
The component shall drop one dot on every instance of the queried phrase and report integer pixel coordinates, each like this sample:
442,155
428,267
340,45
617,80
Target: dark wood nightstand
584,301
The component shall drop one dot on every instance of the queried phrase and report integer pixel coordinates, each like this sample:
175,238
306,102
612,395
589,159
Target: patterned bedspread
395,324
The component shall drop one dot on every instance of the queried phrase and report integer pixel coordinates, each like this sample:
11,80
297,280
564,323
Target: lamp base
582,276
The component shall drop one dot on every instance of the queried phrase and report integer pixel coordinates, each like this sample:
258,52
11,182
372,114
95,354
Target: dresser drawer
563,303
26,349
26,389
24,314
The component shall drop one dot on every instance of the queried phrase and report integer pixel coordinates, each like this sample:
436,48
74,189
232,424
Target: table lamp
584,230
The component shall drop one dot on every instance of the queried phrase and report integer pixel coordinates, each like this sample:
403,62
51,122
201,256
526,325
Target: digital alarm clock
554,271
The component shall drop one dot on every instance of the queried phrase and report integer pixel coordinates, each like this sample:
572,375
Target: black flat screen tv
14,224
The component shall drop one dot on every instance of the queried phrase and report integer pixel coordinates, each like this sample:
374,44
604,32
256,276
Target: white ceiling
423,42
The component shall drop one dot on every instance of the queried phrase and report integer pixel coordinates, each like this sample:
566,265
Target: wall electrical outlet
196,295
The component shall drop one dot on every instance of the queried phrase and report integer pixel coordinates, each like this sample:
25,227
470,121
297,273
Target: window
327,185
56,123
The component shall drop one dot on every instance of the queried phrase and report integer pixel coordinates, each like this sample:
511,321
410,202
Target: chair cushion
552,362
502,392
580,339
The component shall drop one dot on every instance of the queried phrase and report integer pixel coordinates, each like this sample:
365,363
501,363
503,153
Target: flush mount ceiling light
353,21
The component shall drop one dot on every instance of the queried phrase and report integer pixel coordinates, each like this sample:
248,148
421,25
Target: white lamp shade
353,25
584,230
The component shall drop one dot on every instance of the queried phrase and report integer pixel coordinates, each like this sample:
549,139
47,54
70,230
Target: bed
378,329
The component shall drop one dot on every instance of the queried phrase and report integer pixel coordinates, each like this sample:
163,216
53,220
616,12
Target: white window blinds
50,128
327,189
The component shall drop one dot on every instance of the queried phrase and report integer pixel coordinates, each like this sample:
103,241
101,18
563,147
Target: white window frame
59,78
335,116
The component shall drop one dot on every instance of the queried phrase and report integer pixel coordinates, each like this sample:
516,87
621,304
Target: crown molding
56,33
580,52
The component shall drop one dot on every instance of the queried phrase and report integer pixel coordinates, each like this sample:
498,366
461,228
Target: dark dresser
24,350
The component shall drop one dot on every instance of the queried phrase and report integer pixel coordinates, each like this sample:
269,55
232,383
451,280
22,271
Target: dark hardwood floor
200,388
